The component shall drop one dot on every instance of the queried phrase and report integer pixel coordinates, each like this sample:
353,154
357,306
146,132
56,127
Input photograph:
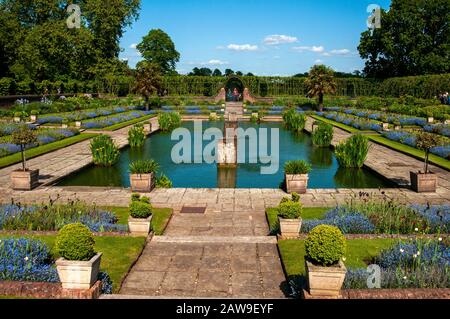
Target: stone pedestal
227,147
226,177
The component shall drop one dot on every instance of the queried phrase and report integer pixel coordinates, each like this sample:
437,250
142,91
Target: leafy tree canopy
414,39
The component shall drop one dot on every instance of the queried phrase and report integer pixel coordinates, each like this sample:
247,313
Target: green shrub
140,207
293,120
136,136
297,167
104,151
163,182
290,210
169,121
353,152
325,245
144,167
323,135
75,242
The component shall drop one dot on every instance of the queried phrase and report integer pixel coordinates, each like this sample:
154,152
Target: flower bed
384,218
409,138
89,114
441,129
44,136
7,128
415,264
360,124
53,217
109,121
23,259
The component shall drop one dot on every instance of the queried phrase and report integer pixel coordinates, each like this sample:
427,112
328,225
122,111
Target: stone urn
142,183
290,228
430,119
64,125
423,183
385,126
139,226
297,183
325,281
78,124
25,180
78,274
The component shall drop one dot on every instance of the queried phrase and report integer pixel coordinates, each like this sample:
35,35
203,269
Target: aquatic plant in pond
353,152
323,135
104,151
293,120
169,121
136,136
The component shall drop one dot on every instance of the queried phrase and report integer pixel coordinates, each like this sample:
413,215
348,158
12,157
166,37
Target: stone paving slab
207,270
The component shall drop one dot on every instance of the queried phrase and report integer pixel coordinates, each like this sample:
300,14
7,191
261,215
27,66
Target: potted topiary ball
296,176
79,265
325,247
18,117
65,123
289,215
140,215
425,181
142,177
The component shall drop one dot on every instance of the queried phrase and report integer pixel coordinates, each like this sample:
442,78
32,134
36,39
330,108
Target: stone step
216,239
143,297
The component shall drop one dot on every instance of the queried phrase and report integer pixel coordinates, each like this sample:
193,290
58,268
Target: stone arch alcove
234,89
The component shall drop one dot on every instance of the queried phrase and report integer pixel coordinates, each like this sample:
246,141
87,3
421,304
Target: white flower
416,229
404,277
401,250
344,259
26,258
414,256
440,239
418,253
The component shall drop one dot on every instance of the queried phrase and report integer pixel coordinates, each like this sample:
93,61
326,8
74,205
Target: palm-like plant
320,82
148,80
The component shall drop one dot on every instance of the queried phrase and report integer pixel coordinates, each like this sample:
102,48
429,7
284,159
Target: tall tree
217,72
229,72
414,39
107,19
148,80
320,81
157,47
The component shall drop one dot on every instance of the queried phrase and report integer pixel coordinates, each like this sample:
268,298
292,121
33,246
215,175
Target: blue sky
282,37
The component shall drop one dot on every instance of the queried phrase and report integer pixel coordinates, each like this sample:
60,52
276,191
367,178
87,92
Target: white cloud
215,62
242,47
318,61
340,52
133,46
316,49
276,39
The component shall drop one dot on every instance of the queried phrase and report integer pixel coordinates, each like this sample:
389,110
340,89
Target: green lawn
307,213
119,253
160,217
359,253
34,152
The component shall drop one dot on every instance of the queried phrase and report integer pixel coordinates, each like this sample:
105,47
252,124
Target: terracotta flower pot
423,183
297,183
142,183
25,180
78,274
325,281
290,228
139,226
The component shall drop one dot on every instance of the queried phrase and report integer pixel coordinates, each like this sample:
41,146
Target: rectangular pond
326,172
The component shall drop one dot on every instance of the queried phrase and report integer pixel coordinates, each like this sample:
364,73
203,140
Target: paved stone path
55,165
394,165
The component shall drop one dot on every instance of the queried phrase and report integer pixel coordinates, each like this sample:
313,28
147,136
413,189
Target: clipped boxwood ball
325,245
140,209
75,242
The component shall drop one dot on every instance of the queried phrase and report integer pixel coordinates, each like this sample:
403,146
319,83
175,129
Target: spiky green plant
323,135
104,151
144,167
353,152
169,121
297,167
293,120
136,136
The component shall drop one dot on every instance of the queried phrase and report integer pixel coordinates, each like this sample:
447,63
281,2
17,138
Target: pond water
326,172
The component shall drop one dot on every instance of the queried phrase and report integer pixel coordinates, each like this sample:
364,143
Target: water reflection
226,177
